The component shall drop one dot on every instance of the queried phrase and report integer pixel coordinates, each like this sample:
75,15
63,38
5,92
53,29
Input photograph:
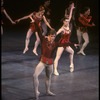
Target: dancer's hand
81,15
72,5
93,24
13,22
46,37
17,20
52,28
32,21
76,45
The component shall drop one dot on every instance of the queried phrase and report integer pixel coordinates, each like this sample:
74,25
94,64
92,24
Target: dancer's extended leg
58,55
36,44
29,33
48,70
39,68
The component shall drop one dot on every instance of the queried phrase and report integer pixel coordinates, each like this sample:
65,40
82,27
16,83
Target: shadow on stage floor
17,70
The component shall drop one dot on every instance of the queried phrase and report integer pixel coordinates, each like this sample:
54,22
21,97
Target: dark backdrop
20,8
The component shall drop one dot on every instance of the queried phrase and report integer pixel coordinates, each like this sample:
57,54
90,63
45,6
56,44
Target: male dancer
46,60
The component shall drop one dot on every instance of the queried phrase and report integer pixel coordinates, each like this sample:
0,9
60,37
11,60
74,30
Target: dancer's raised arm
70,15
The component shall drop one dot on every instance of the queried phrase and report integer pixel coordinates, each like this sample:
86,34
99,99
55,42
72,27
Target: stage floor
17,71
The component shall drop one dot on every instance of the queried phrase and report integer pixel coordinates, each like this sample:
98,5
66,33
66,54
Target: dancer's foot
56,72
50,93
26,49
34,51
81,52
71,67
37,95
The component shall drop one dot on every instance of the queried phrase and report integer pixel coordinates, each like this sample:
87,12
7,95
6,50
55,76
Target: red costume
33,24
84,22
47,48
65,38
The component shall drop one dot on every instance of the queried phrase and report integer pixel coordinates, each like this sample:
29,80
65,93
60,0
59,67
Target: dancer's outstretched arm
8,17
25,17
59,31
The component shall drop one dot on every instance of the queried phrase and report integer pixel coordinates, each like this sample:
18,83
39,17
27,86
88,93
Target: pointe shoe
37,95
71,68
50,93
35,52
56,73
81,52
78,52
26,49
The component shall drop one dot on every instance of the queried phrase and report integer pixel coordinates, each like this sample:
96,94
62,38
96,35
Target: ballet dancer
66,32
43,24
36,17
82,31
48,45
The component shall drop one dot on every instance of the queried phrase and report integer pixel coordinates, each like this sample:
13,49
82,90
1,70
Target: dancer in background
36,17
43,24
66,32
82,32
3,11
48,45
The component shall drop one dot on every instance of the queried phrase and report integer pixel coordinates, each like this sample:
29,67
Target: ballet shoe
78,52
81,52
50,93
56,73
71,68
37,95
26,49
35,52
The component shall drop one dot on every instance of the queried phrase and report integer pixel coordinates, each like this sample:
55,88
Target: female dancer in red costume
65,39
43,25
4,11
36,18
84,22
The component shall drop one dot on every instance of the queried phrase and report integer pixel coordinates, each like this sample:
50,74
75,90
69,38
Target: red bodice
84,22
65,38
37,21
